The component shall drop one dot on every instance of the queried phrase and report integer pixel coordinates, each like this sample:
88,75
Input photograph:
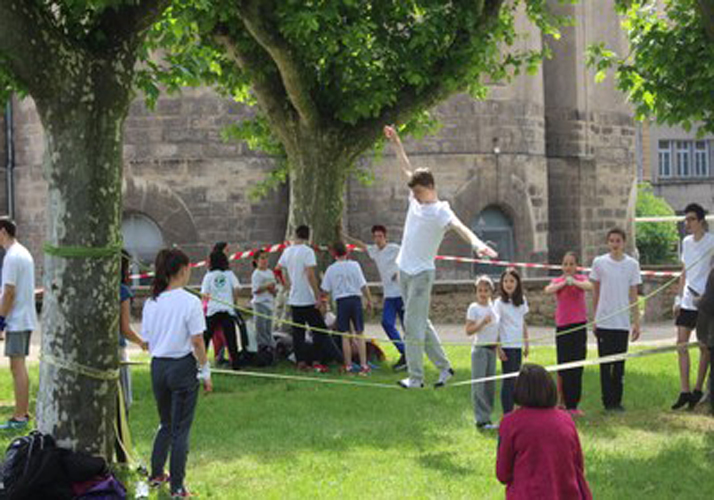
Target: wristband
3,324
204,372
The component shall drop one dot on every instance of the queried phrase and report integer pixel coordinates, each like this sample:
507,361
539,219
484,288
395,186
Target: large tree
77,60
327,75
669,70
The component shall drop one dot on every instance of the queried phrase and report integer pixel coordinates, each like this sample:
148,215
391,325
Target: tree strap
86,371
77,252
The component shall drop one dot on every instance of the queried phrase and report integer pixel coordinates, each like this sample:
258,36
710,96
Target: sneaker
696,396
444,377
409,383
182,493
400,365
682,400
490,427
364,371
156,481
15,423
320,368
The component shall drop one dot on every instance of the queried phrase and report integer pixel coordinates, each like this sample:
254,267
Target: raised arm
391,134
354,241
469,237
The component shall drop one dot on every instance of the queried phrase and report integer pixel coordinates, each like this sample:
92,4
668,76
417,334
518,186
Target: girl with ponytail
173,324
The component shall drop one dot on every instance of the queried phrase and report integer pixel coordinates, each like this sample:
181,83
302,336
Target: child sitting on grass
539,454
482,321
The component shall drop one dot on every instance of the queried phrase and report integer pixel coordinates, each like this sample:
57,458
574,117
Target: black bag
19,456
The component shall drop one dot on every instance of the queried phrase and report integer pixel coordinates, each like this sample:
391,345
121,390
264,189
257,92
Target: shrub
656,241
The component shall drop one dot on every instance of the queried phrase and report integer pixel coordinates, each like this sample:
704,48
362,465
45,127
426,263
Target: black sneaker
695,398
684,398
400,365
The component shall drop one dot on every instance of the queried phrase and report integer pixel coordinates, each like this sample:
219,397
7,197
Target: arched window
142,239
496,229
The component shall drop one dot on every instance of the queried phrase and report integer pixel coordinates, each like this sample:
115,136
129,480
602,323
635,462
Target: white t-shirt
510,323
615,278
219,285
258,280
343,278
169,322
423,231
697,259
19,270
296,259
386,260
488,333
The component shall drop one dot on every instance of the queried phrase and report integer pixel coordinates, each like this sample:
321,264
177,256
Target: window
683,158
496,229
143,240
701,159
665,159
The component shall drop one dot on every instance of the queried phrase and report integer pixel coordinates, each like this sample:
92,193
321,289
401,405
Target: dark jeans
393,308
512,364
612,374
176,392
571,347
228,325
324,348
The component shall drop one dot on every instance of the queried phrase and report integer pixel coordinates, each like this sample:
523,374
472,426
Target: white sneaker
409,383
491,427
444,377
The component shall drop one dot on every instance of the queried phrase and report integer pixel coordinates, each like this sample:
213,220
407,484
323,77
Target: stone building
545,165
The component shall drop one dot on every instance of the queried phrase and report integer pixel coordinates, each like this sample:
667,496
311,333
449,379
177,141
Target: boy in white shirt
384,255
300,262
428,219
345,282
18,317
615,278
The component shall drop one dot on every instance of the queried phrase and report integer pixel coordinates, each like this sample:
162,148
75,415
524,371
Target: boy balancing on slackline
428,219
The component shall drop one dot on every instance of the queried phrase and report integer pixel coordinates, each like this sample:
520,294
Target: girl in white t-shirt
220,287
482,321
264,288
511,308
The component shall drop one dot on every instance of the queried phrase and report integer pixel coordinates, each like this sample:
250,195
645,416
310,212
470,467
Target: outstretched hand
487,252
391,133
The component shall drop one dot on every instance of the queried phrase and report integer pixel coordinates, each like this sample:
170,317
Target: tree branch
268,88
294,81
124,23
29,42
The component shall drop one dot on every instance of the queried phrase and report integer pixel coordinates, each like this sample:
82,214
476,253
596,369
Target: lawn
258,438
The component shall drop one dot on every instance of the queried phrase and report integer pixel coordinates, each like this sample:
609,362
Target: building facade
545,165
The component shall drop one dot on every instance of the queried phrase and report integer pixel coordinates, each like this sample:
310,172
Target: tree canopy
669,70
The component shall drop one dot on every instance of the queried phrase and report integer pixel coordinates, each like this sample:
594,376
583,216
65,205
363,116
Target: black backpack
19,456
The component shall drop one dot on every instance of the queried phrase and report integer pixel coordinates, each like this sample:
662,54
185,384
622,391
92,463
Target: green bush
656,241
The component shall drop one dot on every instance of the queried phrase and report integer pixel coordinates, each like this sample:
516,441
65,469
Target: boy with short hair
615,276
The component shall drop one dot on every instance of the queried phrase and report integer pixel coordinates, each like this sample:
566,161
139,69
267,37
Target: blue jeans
393,306
512,364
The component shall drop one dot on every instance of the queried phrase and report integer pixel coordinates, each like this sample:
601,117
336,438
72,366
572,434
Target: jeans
512,364
571,347
264,325
419,333
393,307
227,322
176,391
612,375
483,364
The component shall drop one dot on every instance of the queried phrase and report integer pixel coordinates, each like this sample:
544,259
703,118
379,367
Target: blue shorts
349,309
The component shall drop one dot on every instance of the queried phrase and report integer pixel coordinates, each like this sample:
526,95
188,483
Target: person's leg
208,334
604,348
570,349
415,318
357,319
228,326
512,364
683,335
183,385
162,395
263,326
391,309
298,333
621,338
703,367
580,352
560,348
433,348
480,391
21,384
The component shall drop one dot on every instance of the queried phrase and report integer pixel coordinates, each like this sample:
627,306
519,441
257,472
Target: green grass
256,438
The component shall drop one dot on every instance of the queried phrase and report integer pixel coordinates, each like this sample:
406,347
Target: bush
656,241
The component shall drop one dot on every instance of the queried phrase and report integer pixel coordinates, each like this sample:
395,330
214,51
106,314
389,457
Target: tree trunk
83,167
319,168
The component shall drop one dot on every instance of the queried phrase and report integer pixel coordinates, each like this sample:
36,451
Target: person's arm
596,298
473,326
312,279
125,326
354,241
635,299
583,285
526,342
680,291
199,350
505,457
469,237
368,296
8,300
391,134
554,287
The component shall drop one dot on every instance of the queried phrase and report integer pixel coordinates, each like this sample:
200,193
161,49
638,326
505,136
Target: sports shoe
682,400
15,423
182,493
490,427
409,383
364,371
696,396
157,481
444,377
320,368
400,365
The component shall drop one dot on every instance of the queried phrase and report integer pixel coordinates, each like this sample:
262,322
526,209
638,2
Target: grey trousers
483,364
263,326
176,391
419,333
